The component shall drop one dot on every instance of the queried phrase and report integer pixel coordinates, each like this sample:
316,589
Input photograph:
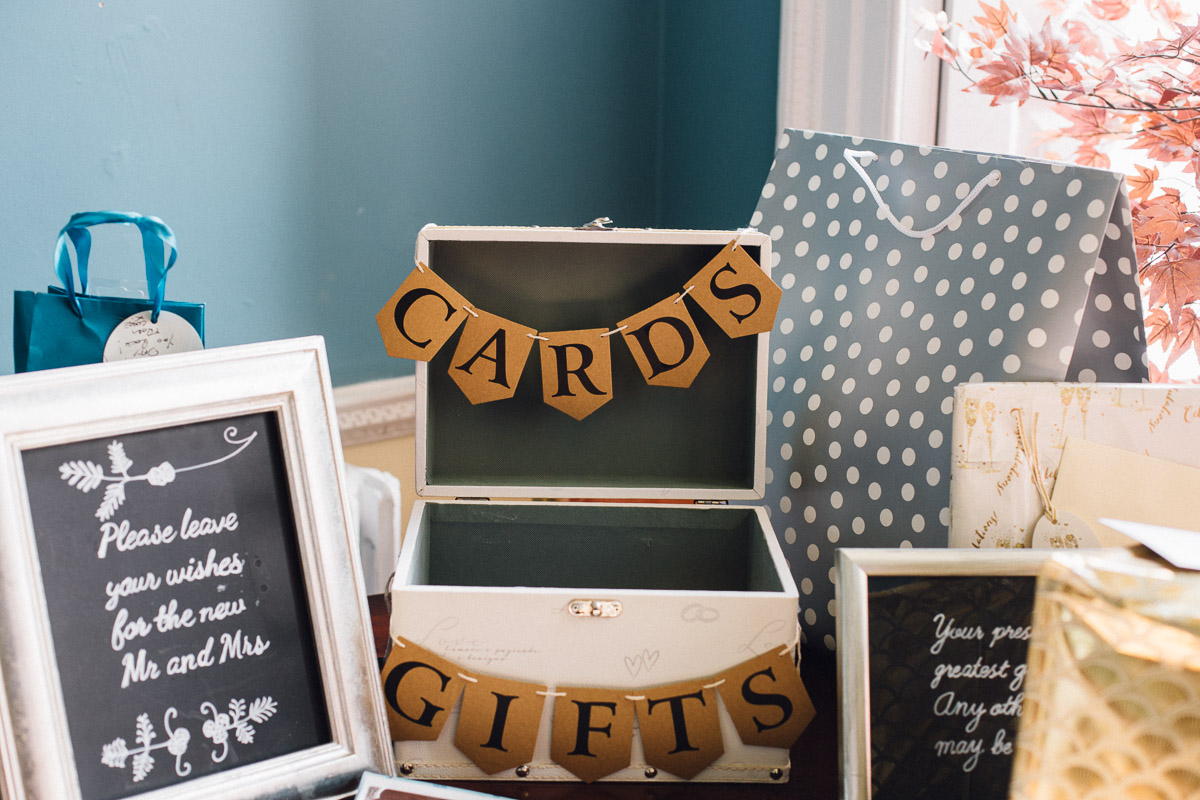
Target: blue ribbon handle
155,234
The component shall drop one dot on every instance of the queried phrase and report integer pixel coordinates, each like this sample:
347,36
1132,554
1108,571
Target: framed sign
181,609
931,667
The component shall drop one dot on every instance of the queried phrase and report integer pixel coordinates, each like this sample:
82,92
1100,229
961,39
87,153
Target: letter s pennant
420,688
735,291
422,314
767,700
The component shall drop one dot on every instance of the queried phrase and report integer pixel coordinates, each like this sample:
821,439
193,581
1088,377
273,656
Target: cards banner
592,727
422,315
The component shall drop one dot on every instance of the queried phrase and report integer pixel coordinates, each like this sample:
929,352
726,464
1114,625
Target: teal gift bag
61,327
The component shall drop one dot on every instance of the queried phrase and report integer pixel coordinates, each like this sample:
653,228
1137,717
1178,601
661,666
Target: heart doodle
634,664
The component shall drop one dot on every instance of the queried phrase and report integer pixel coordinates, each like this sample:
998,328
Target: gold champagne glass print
1084,395
971,414
989,416
1065,394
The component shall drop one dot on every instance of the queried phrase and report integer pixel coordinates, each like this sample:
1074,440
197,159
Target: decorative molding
376,410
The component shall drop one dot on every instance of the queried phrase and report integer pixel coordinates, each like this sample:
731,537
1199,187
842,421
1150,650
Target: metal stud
407,769
523,771
776,774
651,772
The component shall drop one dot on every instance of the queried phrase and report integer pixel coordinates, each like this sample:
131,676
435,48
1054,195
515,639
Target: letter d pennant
420,688
665,344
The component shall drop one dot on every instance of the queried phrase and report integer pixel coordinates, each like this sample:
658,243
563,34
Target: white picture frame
854,566
284,380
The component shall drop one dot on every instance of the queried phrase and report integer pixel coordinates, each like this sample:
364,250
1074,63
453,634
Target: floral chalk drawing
237,720
115,753
88,475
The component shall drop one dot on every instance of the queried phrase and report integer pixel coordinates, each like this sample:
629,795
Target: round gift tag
1068,533
137,336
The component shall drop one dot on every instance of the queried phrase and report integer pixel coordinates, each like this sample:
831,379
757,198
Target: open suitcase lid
705,442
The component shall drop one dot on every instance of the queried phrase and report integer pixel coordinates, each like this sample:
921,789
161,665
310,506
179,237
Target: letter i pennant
422,314
420,688
735,291
498,724
592,732
767,700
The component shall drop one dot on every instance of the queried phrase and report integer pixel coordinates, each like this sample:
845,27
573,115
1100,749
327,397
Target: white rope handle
852,157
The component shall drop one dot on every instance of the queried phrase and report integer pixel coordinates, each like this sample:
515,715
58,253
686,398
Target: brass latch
595,608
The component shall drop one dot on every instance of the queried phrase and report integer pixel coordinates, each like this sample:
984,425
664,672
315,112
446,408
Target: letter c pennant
420,316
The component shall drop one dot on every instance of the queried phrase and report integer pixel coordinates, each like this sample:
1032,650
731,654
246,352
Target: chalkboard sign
195,606
939,640
172,567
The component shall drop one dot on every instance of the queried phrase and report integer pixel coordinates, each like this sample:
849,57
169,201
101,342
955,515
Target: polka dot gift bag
907,270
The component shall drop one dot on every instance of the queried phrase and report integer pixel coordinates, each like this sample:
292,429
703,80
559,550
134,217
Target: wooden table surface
814,774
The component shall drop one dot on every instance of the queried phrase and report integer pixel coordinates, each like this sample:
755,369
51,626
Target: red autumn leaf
1109,9
1173,283
1187,337
995,19
1161,224
1088,156
1158,328
1142,184
1006,80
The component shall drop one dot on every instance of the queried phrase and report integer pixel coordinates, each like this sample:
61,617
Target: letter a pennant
592,733
735,291
767,700
576,371
498,724
490,357
420,688
681,731
422,314
665,344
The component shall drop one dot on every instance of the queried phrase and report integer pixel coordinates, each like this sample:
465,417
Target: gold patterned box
1112,703
1009,439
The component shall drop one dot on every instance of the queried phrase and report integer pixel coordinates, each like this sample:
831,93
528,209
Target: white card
136,336
1180,547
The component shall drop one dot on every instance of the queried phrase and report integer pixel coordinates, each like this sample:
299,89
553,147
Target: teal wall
297,147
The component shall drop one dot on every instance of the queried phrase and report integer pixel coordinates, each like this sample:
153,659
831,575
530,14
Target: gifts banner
576,365
592,728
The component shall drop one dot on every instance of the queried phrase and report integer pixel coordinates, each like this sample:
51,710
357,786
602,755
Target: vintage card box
620,595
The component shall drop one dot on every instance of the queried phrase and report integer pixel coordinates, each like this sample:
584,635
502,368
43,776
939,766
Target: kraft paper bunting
681,731
592,732
576,371
736,293
767,700
421,316
665,344
490,357
498,724
420,688
592,728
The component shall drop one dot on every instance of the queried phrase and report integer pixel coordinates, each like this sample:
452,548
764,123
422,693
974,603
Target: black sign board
932,700
177,602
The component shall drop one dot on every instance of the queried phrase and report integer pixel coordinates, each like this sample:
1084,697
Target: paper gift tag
736,293
419,688
498,724
576,371
767,700
490,357
665,344
422,314
1065,532
136,336
592,731
681,732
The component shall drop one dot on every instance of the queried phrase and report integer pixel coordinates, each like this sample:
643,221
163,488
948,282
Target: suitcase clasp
595,608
